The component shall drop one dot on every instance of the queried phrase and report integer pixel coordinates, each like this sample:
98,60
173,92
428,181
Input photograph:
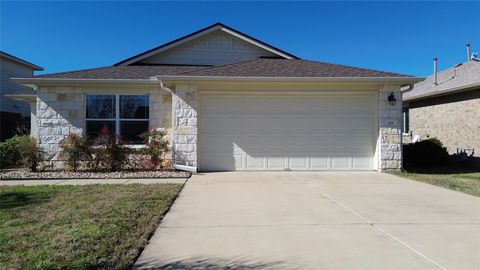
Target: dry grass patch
464,182
79,227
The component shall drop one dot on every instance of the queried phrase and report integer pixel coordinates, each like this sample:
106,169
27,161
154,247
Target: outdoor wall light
391,99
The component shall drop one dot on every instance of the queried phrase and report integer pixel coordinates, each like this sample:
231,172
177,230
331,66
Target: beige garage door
281,132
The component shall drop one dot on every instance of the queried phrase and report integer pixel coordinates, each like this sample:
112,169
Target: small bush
30,153
75,149
9,155
20,151
155,149
109,152
427,153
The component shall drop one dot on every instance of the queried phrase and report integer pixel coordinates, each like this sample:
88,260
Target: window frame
117,118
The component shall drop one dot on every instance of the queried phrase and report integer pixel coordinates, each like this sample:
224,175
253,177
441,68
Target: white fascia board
23,97
251,41
33,82
164,48
404,80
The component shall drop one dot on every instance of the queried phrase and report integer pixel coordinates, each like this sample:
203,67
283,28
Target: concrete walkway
92,181
327,220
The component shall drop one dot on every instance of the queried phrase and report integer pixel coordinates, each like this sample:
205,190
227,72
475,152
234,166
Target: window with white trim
124,115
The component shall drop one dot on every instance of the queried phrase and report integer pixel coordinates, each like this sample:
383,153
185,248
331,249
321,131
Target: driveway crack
389,235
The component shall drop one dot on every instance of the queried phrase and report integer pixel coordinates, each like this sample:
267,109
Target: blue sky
390,36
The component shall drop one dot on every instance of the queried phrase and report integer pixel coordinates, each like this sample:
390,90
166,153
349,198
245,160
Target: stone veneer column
185,129
161,114
390,123
59,113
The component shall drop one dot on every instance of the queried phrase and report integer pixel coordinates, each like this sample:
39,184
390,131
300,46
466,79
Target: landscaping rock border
58,174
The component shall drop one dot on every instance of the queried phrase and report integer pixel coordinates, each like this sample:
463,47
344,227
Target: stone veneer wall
454,119
185,101
390,128
61,110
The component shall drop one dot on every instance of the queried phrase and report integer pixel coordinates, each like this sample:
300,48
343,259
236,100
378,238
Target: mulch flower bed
21,174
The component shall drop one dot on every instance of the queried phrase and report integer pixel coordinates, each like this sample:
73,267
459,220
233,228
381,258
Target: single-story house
232,102
14,113
446,105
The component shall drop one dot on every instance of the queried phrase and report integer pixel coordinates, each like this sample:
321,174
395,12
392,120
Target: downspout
402,91
174,125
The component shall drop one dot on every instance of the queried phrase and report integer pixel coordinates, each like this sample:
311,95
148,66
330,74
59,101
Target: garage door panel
351,141
319,163
362,163
340,162
276,162
217,162
298,163
319,141
341,122
276,142
285,132
256,162
311,121
361,122
218,142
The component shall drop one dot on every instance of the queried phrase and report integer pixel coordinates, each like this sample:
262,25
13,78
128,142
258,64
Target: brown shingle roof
265,67
252,68
121,72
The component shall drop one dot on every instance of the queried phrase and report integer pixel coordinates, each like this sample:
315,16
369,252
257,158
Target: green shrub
9,153
75,149
155,149
14,151
427,153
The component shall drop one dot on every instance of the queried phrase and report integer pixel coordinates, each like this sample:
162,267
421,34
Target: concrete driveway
324,220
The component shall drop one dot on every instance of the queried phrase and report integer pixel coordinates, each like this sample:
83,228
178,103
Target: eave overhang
35,82
448,91
23,97
402,80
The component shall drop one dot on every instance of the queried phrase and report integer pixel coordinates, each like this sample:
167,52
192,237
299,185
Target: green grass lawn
464,182
79,227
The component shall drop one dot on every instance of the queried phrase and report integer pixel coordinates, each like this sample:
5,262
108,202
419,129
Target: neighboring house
448,108
14,113
232,102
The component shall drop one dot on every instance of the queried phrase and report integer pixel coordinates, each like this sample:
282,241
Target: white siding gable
10,69
215,48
